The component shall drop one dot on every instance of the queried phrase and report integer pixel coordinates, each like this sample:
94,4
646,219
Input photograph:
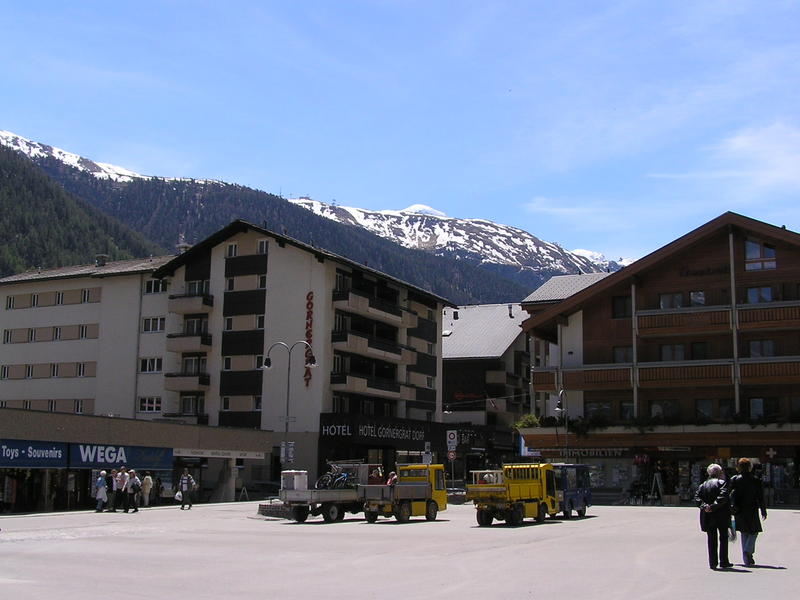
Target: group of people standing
122,489
727,505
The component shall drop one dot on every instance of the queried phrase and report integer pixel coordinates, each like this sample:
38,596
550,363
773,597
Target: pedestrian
134,488
159,491
747,499
392,479
715,516
100,491
186,486
111,490
122,488
147,486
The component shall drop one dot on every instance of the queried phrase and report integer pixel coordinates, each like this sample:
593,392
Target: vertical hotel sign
309,334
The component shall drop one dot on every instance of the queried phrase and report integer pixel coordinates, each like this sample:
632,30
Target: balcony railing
189,303
775,369
771,315
689,374
696,319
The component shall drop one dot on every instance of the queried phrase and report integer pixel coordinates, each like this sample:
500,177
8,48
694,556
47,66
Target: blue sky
612,126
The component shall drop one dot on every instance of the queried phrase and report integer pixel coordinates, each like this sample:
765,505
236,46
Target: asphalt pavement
225,551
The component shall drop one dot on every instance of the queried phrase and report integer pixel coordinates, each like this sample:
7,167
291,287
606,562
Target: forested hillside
44,226
163,209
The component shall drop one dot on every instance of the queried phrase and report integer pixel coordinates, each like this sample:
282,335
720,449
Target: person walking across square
715,516
186,486
747,499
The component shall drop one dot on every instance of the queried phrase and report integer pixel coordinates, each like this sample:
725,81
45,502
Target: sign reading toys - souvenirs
26,454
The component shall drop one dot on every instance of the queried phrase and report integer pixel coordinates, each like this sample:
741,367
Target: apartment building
182,339
689,355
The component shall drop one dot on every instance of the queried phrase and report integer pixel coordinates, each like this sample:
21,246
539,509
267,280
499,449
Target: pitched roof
725,221
110,269
560,287
481,330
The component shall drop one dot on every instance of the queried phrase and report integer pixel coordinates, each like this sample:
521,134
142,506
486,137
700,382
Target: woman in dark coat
715,516
747,498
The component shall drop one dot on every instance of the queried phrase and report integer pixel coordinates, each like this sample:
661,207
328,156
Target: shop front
34,476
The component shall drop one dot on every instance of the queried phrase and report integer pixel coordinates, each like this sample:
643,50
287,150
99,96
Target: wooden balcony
609,378
771,315
685,374
684,321
543,380
784,369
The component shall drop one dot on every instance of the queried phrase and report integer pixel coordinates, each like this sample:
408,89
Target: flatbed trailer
419,490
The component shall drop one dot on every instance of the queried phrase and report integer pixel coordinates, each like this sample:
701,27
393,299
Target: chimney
100,260
510,311
455,315
182,246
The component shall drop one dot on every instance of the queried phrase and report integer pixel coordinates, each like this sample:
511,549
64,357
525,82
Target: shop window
794,407
623,354
626,410
597,409
621,307
671,300
758,256
697,298
703,408
699,350
672,352
727,409
760,348
755,295
763,408
664,409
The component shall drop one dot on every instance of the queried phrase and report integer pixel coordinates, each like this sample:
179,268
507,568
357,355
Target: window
389,409
671,300
80,370
758,256
28,371
228,323
703,408
626,410
232,250
259,361
150,365
150,404
153,324
697,298
9,302
195,325
199,287
759,348
193,365
367,407
431,348
761,408
699,350
193,405
260,322
59,297
667,409
51,405
230,284
672,352
56,333
31,335
256,403
83,331
26,404
431,316
262,246
3,404
4,372
726,408
262,282
759,294
6,336
226,363
54,370
341,404
155,286
225,403
597,409
430,382
85,294
620,307
78,407
34,300
623,354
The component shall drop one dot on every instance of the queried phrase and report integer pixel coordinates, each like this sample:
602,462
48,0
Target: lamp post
561,407
310,362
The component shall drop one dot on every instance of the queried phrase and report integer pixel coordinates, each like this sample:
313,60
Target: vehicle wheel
371,516
582,512
340,516
516,516
431,510
542,514
484,518
330,512
403,513
300,513
568,511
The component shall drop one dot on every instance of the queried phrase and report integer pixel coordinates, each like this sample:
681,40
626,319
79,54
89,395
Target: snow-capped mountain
484,242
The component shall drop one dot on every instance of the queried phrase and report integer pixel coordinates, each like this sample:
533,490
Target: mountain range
464,260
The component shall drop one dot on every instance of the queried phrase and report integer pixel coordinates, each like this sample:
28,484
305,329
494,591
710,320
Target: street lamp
561,407
310,362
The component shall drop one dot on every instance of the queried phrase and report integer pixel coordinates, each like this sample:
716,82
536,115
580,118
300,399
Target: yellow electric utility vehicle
513,493
419,490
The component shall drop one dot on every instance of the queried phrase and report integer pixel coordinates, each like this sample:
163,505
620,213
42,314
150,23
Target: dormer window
758,256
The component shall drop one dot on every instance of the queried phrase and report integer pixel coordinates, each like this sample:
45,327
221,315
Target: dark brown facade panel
241,383
199,269
248,302
251,264
237,343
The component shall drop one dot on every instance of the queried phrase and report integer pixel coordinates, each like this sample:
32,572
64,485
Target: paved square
227,551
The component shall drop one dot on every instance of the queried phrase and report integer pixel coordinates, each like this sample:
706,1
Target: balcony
362,304
187,304
684,321
373,386
686,374
590,377
769,315
367,345
772,370
186,382
188,342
